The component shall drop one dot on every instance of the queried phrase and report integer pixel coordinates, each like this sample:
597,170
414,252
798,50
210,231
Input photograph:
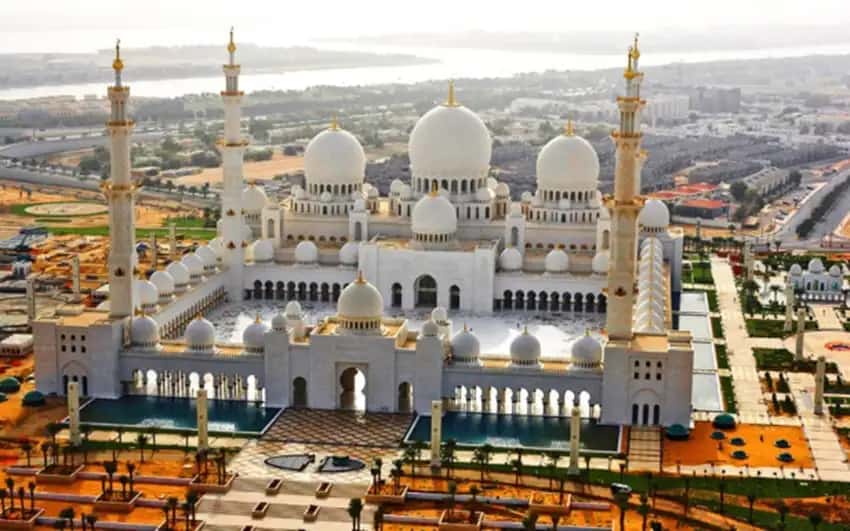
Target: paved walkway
826,317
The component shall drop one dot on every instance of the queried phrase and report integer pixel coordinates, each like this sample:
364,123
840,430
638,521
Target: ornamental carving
119,272
620,292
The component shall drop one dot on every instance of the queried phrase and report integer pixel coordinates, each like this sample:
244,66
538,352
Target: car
620,488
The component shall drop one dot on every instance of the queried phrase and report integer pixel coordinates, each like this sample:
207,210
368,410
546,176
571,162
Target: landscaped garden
774,327
780,359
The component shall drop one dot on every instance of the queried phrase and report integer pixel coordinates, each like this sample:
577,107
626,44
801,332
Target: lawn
773,327
716,328
728,387
711,295
700,273
200,234
722,356
781,359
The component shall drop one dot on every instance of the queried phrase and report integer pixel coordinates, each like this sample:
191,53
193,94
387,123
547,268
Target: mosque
450,242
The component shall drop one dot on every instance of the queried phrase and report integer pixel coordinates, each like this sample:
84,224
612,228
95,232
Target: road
26,150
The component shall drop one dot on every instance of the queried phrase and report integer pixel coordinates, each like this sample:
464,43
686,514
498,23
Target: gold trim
569,129
451,101
231,46
118,64
232,92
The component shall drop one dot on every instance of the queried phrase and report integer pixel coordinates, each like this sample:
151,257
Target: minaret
232,150
119,191
625,204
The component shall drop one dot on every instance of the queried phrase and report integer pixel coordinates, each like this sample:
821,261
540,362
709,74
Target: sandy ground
264,170
70,158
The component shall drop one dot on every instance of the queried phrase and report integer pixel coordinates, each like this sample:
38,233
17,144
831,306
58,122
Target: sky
56,25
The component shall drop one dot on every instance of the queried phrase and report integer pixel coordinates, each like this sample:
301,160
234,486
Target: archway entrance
425,288
299,392
353,385
405,397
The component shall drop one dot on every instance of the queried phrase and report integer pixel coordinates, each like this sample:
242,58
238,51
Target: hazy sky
183,21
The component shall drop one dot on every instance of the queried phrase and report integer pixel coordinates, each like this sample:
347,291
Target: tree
474,491
68,514
751,500
452,488
26,447
516,464
409,457
555,519
355,507
643,509
110,467
141,442
53,428
31,487
738,190
10,485
3,502
192,498
91,520
622,501
171,503
131,469
529,522
816,519
378,518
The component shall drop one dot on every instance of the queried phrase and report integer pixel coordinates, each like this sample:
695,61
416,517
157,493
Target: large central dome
568,162
450,141
334,156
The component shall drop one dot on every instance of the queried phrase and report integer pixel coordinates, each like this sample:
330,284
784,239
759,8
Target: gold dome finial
465,327
360,279
635,50
525,330
451,101
334,123
118,64
434,192
231,46
257,319
630,71
569,129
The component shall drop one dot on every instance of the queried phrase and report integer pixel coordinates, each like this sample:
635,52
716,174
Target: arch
290,290
405,397
352,395
258,289
302,291
635,414
514,236
314,291
396,295
554,302
269,290
543,301
507,300
299,392
358,231
325,294
425,290
520,300
270,228
454,298
590,302
578,302
280,290
601,303
335,290
656,414
606,239
531,303
645,414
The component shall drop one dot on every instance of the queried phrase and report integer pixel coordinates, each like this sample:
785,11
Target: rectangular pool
512,431
698,325
693,302
135,411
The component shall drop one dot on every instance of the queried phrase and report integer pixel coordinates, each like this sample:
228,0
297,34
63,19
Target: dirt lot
259,171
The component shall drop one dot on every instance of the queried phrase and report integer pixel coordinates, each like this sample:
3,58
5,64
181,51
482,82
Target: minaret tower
625,204
119,191
232,150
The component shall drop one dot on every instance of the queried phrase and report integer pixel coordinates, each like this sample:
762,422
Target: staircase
644,449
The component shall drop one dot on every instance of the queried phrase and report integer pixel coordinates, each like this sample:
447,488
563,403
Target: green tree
355,508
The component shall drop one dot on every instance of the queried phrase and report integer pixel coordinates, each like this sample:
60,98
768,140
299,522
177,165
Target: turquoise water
225,416
511,431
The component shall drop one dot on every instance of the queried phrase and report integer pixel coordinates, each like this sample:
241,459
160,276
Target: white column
31,310
801,329
203,420
436,431
820,373
575,433
74,413
172,242
75,277
789,307
154,253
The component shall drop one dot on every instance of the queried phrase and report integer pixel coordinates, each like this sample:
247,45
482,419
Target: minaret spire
117,63
231,48
450,100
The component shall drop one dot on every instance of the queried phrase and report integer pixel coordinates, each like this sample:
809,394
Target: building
816,283
449,242
667,107
702,208
715,100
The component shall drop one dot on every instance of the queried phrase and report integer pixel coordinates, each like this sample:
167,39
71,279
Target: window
646,376
637,376
658,376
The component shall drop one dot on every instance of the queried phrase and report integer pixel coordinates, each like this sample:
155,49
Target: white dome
334,156
193,263
325,197
395,186
252,337
586,352
429,329
405,192
279,323
600,262
200,335
450,141
433,214
516,210
208,256
815,266
144,332
654,215
179,272
510,259
564,203
371,191
293,310
163,281
359,205
503,190
525,350
306,252
146,291
484,195
263,251
465,346
349,253
439,315
217,246
567,162
526,197
835,271
795,270
360,300
247,233
299,193
557,261
254,199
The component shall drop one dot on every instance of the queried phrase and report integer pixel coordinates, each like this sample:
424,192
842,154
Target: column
203,421
31,313
436,431
154,254
820,373
801,330
172,242
75,277
74,413
789,307
575,434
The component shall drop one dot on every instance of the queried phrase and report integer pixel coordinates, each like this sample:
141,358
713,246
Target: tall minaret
119,191
625,204
232,150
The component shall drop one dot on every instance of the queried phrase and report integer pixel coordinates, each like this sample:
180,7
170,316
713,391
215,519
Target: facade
816,283
450,240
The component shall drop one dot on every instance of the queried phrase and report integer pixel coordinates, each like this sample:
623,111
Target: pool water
512,431
225,416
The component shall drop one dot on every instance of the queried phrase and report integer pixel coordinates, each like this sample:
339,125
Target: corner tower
625,204
232,147
119,191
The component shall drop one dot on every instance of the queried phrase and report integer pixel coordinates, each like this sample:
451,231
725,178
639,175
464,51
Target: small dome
492,183
253,336
179,272
835,271
306,252
450,141
654,215
208,256
526,197
349,254
146,291
516,210
144,332
525,350
360,300
434,215
334,156
359,205
395,186
503,190
429,329
439,315
217,246
371,191
567,162
586,353
263,251
510,259
293,310
465,347
325,197
815,266
564,203
484,195
299,193
200,335
164,282
795,270
279,323
194,264
247,233
254,199
600,262
406,192
557,261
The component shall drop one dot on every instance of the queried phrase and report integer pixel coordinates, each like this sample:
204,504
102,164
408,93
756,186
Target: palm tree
751,499
722,491
396,475
123,480
53,428
529,522
172,503
447,455
26,447
192,498
131,469
355,507
91,519
59,524
110,467
622,501
378,522
142,441
452,493
516,464
816,519
474,491
31,487
21,494
68,514
153,431
379,464
10,485
555,519
45,448
643,509
409,457
3,502
782,508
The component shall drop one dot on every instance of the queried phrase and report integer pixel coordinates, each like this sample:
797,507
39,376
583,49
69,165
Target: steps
644,449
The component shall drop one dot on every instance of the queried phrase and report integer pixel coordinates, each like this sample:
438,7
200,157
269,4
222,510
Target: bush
722,357
781,359
728,388
716,327
773,328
